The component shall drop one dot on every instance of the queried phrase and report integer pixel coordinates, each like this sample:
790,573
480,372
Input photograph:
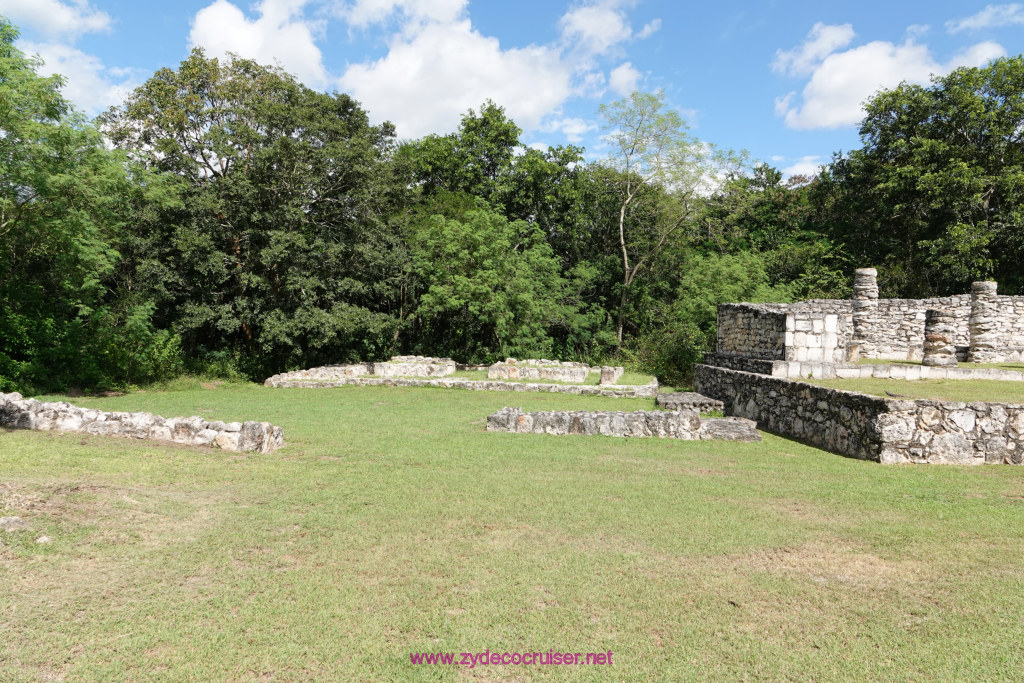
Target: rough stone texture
865,313
939,350
620,390
398,366
525,370
817,335
984,323
870,427
752,331
19,413
687,400
610,374
679,424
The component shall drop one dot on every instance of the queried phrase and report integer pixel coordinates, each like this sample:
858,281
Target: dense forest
227,220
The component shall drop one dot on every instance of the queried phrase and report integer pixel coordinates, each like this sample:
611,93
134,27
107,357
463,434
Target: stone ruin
761,347
398,366
19,413
552,370
685,424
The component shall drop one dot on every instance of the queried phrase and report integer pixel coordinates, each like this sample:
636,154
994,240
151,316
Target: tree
650,146
935,197
65,201
493,288
281,253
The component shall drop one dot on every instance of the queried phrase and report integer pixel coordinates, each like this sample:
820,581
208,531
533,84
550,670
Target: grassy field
392,523
1011,365
966,391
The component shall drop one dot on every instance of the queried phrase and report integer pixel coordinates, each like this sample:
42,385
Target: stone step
682,400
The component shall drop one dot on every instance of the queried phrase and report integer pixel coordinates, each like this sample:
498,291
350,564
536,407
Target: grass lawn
392,523
1011,365
963,390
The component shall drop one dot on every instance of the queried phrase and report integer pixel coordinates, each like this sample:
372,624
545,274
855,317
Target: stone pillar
939,331
865,313
984,325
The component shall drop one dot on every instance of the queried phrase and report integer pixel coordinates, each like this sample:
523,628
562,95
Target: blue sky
783,80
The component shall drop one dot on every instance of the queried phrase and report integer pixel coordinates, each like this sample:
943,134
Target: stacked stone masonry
687,400
552,370
869,427
19,413
618,391
398,366
679,424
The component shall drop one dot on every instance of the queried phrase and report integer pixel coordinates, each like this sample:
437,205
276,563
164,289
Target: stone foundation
619,390
871,427
19,413
554,373
679,424
687,400
398,366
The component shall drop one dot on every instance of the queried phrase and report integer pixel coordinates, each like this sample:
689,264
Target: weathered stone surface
619,390
554,371
610,374
687,400
398,366
18,413
939,331
984,323
871,427
680,424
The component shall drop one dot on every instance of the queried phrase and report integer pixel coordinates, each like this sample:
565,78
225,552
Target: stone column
865,313
939,331
984,325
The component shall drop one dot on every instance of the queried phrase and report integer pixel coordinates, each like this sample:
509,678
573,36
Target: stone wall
680,424
398,366
19,413
870,427
1011,328
752,331
554,373
817,335
618,391
900,333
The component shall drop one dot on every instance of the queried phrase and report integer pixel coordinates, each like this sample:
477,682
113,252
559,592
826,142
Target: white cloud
280,35
841,81
90,85
362,13
623,79
993,16
573,128
822,41
428,80
649,29
594,29
55,18
806,165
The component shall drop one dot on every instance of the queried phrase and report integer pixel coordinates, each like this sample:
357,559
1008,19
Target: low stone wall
398,366
19,413
687,400
813,335
620,390
680,424
554,373
870,427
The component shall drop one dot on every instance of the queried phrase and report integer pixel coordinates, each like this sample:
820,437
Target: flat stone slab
666,424
728,429
682,400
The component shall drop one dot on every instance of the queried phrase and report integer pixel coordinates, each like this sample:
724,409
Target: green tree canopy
281,253
935,197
